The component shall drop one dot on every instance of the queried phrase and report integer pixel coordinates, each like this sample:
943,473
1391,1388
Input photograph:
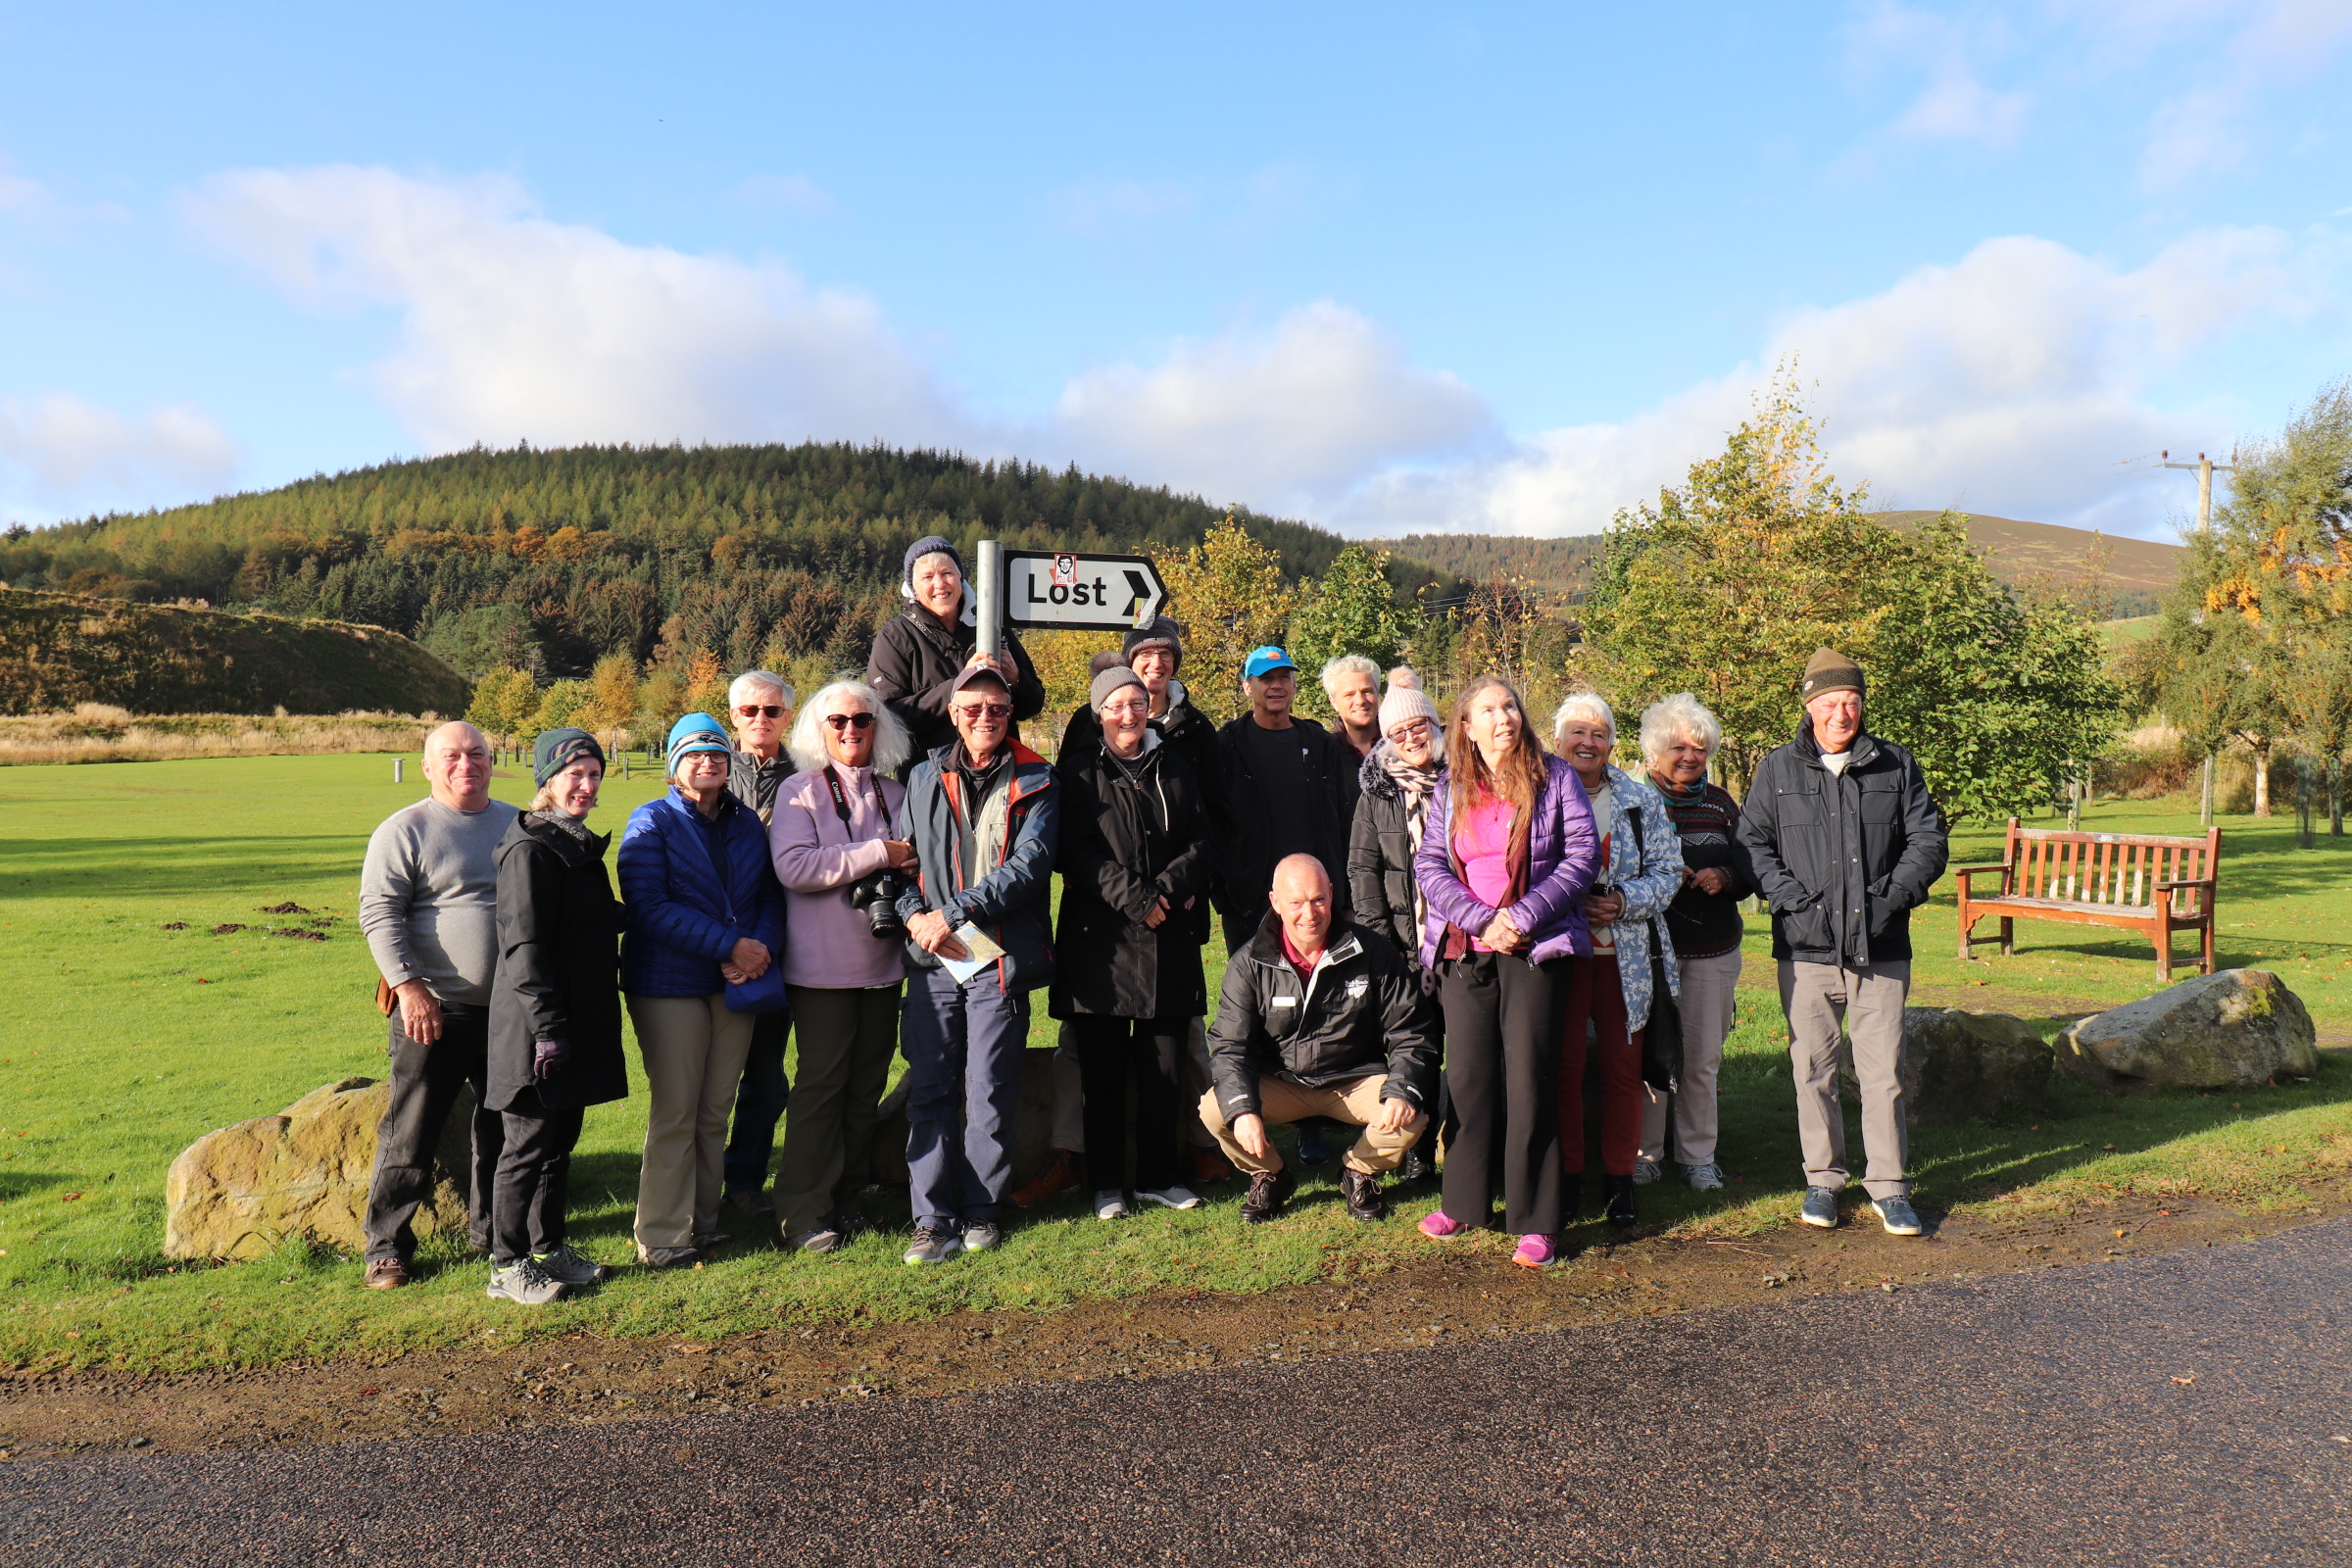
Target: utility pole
2205,468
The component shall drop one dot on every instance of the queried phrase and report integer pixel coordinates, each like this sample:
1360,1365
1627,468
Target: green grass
113,1058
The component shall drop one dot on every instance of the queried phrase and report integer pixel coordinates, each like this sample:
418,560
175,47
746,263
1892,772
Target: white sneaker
1110,1203
1646,1171
1176,1197
1706,1178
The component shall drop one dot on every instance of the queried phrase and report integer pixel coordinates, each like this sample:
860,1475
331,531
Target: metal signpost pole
991,640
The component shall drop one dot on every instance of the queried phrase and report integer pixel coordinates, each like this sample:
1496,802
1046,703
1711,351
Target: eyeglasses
985,709
842,722
1411,731
755,711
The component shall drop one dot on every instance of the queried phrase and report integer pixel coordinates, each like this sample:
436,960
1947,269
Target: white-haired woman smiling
1640,871
1679,738
830,840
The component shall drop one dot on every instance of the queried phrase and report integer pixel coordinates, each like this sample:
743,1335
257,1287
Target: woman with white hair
1397,778
831,844
1610,987
1679,738
1351,684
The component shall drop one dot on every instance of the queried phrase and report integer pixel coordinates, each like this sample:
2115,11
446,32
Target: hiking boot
852,1223
1646,1171
981,1235
1173,1196
1821,1208
1706,1178
1362,1192
751,1200
568,1267
1416,1166
1315,1148
933,1246
1055,1180
1210,1166
1617,1193
1269,1190
1110,1203
1898,1215
522,1282
823,1239
386,1274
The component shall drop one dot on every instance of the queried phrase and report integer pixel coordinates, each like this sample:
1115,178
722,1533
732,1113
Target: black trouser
533,1186
1503,1018
760,1101
425,1080
1107,1048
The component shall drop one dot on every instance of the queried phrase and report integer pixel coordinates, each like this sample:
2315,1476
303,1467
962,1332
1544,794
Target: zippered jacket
913,665
1011,901
558,974
1646,870
1563,855
684,917
1380,857
1360,1012
1843,859
1127,841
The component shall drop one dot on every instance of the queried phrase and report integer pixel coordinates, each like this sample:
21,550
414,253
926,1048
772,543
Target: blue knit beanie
697,732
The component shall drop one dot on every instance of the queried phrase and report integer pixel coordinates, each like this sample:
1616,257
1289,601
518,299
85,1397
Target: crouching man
1318,1017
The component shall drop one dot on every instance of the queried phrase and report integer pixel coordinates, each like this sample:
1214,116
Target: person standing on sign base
761,704
918,655
1845,843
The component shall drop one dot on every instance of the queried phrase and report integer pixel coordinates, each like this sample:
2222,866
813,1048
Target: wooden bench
2134,881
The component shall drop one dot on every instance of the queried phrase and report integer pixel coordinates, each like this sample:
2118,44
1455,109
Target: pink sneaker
1534,1252
1437,1226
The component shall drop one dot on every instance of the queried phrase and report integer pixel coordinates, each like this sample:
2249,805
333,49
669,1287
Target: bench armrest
2204,882
1980,870
1963,872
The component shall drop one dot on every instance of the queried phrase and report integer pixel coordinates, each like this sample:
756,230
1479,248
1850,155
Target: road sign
1057,588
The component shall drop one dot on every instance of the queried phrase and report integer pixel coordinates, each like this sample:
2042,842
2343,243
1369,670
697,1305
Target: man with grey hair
1845,843
428,907
1351,683
760,706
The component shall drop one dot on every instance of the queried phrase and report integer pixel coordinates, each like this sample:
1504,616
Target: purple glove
548,1058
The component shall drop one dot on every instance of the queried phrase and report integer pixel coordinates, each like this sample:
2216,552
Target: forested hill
549,559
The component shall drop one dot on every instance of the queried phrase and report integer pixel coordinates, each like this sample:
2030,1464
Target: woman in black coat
917,655
554,1017
1127,978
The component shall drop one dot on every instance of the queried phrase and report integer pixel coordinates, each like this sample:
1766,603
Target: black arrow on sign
1142,586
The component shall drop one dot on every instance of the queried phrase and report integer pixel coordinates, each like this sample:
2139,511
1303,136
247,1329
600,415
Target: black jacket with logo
1841,859
1360,1012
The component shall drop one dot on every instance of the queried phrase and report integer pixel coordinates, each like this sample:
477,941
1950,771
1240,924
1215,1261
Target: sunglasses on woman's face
755,711
858,721
986,710
1413,731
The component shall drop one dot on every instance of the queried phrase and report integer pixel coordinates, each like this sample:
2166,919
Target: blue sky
1385,268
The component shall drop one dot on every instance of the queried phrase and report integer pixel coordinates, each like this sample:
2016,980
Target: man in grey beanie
1845,843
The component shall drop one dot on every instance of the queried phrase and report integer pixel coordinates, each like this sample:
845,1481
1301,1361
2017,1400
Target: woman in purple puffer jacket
1504,870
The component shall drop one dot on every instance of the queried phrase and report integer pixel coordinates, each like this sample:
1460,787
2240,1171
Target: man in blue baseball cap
1289,788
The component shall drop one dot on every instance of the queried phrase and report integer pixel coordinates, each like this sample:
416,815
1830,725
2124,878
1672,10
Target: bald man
1319,1016
428,907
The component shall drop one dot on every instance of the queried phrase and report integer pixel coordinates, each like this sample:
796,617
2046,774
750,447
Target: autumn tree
504,701
614,697
1228,594
1352,607
707,683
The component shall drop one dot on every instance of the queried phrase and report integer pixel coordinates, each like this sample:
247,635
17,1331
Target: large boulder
1960,1065
2230,1030
239,1192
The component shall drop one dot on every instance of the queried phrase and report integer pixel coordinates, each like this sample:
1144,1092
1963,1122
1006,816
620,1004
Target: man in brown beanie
1845,843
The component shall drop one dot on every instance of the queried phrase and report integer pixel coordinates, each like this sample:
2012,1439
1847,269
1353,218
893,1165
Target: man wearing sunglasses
760,706
985,817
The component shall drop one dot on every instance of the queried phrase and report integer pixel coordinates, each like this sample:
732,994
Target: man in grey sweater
428,905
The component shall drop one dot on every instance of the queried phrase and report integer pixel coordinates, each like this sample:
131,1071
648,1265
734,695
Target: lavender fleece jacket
1563,853
817,859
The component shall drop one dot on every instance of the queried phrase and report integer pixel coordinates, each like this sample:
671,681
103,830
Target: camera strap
841,803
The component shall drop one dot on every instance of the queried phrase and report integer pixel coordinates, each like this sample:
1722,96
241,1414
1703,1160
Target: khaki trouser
1069,1094
1279,1100
1869,1002
1706,1004
692,1049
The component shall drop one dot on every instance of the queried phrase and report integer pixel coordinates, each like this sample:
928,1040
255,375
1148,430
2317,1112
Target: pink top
1482,840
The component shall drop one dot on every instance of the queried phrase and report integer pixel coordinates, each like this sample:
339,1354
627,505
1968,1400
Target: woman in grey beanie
919,654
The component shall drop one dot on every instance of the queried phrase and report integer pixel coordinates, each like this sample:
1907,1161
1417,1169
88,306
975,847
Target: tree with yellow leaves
1228,594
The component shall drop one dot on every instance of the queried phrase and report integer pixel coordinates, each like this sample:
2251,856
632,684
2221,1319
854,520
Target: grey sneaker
1706,1178
568,1267
523,1284
1821,1208
933,1246
1646,1171
1898,1215
668,1257
1110,1203
981,1235
1177,1196
823,1239
751,1199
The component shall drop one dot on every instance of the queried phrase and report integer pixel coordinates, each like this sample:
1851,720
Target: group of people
1443,935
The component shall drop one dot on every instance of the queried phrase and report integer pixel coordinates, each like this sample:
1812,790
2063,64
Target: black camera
877,895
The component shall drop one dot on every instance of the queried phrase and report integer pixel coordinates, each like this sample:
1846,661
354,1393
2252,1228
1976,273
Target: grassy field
121,1040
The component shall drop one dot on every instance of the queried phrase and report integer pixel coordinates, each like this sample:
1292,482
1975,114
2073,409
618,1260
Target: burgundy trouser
1595,993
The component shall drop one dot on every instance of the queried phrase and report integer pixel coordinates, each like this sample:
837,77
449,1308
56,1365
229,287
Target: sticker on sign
1057,588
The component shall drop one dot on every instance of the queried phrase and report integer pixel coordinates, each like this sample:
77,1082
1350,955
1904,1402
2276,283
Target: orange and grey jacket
1009,899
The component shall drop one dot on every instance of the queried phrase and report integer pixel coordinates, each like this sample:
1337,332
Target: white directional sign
1048,588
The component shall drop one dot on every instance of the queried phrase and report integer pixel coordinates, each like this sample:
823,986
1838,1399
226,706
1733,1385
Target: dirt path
1450,1298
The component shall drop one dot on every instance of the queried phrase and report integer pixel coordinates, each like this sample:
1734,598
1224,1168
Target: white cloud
1285,420
1953,104
790,192
70,451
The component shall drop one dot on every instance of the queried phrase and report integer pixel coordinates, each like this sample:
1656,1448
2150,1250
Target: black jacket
1841,859
1115,859
1362,1014
1246,863
1379,858
558,966
915,659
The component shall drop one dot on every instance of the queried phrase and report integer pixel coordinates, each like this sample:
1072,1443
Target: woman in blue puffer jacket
705,912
